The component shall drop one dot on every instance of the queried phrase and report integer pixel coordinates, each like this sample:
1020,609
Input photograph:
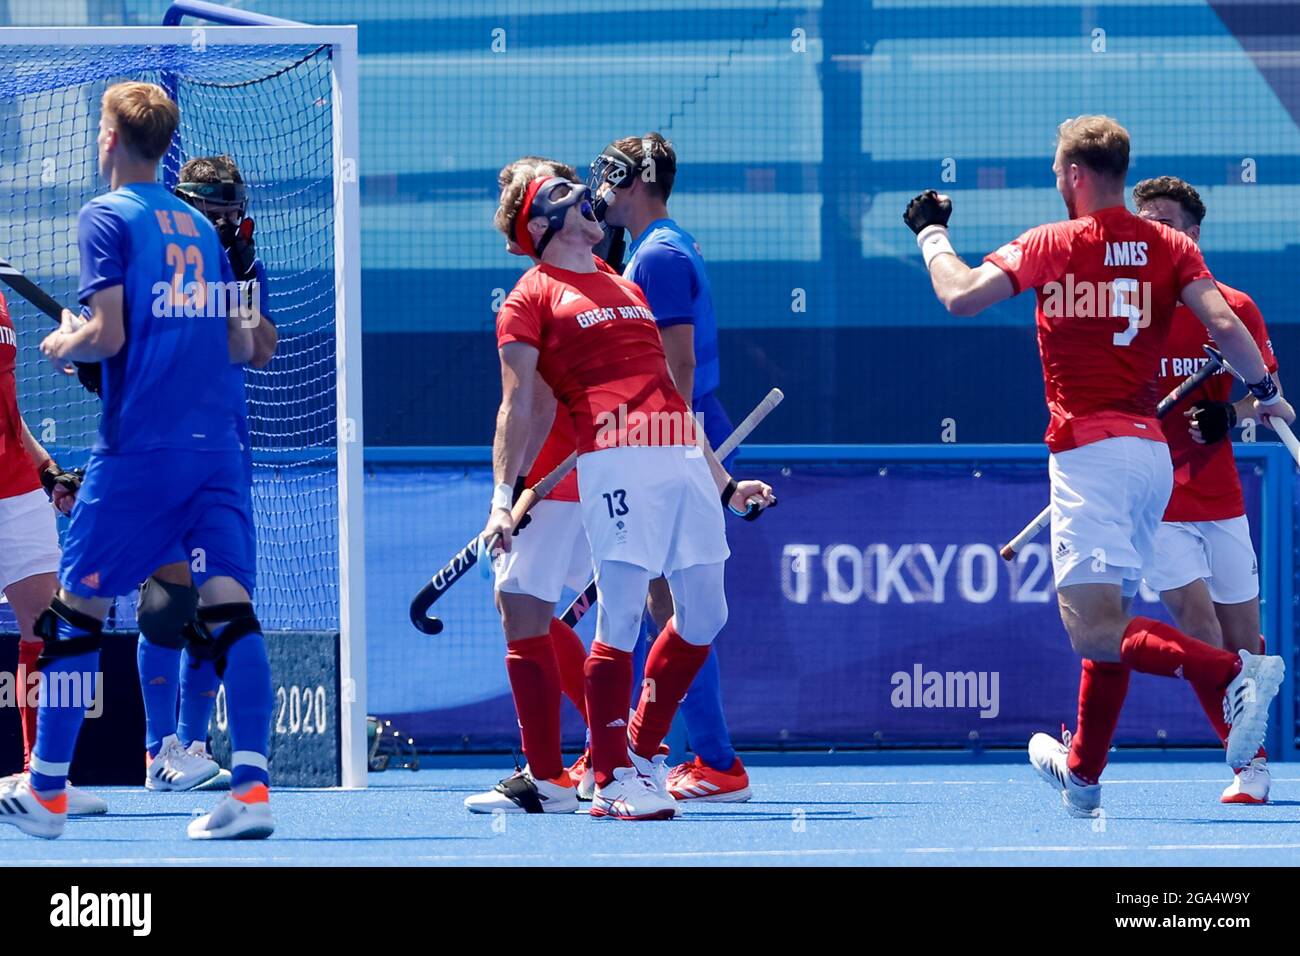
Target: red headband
522,237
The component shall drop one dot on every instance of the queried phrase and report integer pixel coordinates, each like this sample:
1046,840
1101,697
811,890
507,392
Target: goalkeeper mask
220,200
552,198
612,166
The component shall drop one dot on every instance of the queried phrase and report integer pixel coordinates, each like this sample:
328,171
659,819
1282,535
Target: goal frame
347,326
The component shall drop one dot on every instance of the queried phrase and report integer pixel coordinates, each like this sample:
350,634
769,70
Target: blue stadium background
801,131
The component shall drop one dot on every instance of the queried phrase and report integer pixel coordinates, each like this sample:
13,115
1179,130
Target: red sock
1102,689
28,652
1152,647
609,686
535,683
571,657
670,667
1212,703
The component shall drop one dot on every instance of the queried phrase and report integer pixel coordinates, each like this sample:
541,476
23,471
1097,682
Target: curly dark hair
1171,187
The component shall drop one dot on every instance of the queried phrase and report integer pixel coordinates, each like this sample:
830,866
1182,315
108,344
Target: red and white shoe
1250,785
698,781
632,796
583,777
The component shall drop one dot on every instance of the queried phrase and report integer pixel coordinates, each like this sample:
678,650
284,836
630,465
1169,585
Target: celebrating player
166,472
544,656
1204,564
29,546
643,476
1107,283
632,180
176,751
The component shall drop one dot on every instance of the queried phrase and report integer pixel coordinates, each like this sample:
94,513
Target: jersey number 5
1121,307
179,260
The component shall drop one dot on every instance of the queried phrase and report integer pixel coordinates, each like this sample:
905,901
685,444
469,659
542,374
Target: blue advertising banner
872,606
870,609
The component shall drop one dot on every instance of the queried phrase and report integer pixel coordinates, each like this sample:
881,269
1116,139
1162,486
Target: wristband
502,497
727,492
933,241
1265,391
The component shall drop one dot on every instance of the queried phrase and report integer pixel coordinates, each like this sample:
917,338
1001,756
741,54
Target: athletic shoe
521,792
656,771
1050,758
80,802
176,768
1250,785
699,782
632,796
583,777
29,813
1245,705
219,780
240,816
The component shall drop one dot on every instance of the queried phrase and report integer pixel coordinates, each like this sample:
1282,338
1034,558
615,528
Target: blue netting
270,107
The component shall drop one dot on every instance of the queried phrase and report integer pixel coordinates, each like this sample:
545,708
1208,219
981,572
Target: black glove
752,512
53,477
1214,419
90,375
239,246
927,209
520,484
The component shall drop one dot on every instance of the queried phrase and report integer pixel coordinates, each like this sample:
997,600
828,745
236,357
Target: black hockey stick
468,556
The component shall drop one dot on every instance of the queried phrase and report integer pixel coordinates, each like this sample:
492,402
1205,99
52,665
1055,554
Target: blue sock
638,658
67,685
199,682
248,703
706,725
160,669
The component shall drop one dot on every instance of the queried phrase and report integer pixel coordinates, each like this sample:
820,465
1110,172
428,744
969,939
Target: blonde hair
146,117
514,180
1097,142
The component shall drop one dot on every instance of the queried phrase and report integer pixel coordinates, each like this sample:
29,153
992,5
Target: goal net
270,98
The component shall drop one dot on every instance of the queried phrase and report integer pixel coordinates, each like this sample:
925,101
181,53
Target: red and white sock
28,652
535,684
670,667
1102,689
1153,647
570,656
609,686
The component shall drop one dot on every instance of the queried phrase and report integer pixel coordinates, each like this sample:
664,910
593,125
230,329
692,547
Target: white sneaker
1245,705
240,816
176,768
19,806
632,796
1250,785
83,803
656,769
521,792
1050,758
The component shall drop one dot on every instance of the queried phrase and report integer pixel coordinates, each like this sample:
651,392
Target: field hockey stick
1035,527
584,601
468,556
30,291
1283,430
